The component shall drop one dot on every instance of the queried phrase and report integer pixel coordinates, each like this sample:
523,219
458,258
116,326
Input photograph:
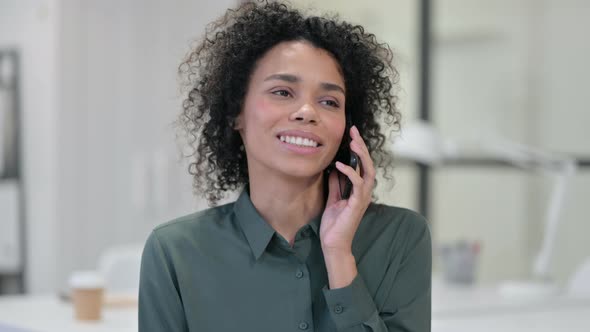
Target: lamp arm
552,218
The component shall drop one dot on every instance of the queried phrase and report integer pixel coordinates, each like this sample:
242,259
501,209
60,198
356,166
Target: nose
305,114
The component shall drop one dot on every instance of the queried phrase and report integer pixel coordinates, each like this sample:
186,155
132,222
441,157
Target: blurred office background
89,91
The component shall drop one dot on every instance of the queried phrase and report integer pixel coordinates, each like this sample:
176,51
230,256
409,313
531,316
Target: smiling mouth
299,141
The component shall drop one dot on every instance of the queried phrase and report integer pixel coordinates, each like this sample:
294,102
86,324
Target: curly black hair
216,73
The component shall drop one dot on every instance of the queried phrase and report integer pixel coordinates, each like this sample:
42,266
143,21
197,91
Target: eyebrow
294,79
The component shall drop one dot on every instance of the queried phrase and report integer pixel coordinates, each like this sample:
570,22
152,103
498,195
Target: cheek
250,113
338,129
260,107
259,112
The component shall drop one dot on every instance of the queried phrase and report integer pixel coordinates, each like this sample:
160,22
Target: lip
302,134
301,150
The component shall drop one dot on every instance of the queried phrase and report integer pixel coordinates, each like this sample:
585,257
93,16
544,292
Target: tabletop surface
455,309
44,313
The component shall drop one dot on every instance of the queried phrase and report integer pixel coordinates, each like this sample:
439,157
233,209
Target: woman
270,94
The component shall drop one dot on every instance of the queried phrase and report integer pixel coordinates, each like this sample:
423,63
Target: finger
351,173
368,168
356,136
358,189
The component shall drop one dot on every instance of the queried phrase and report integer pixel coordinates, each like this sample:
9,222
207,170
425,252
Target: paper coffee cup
87,288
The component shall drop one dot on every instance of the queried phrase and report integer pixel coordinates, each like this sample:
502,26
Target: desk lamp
421,142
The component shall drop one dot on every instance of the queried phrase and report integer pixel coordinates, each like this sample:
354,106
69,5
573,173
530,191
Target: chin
302,172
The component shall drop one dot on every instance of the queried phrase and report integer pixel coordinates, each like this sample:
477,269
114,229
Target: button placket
302,285
303,326
299,274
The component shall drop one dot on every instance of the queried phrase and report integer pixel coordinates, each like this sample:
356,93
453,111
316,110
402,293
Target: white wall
480,91
119,175
31,27
561,114
515,69
98,92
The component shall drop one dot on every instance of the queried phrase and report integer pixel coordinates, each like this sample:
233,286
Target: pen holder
459,262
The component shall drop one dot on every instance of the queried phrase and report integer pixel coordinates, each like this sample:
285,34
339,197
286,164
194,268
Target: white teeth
299,141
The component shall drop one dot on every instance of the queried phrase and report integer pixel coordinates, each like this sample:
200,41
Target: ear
237,123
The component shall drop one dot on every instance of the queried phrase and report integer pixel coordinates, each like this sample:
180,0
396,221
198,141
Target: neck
287,204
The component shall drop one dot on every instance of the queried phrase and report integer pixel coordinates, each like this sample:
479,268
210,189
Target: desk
483,308
47,313
450,301
455,309
576,319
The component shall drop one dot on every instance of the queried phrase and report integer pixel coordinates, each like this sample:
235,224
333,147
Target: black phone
346,156
353,162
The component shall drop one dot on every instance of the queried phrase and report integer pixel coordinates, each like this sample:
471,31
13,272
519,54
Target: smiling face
293,116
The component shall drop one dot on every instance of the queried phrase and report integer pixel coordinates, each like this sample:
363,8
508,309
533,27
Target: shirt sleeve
408,305
160,304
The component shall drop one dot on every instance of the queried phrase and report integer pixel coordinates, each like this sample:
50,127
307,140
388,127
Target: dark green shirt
226,269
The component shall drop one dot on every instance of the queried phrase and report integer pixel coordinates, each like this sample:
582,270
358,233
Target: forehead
300,58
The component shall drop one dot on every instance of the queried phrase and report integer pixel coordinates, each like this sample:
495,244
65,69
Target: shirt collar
258,232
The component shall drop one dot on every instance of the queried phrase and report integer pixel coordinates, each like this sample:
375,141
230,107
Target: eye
331,103
282,93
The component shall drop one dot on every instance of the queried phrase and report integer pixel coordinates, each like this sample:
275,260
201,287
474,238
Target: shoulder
394,217
194,225
394,229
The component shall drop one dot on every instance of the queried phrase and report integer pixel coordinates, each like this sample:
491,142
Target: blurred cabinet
10,262
11,202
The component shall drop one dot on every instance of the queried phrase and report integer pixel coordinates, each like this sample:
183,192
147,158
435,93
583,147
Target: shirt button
338,309
303,326
299,274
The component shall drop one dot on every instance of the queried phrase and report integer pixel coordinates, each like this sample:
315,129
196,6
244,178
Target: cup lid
86,280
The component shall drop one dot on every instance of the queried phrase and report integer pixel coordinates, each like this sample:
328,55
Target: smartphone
348,157
353,162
